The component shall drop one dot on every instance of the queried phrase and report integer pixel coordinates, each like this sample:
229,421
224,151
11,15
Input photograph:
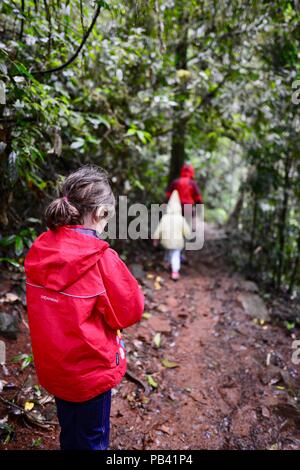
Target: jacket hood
187,171
174,204
57,259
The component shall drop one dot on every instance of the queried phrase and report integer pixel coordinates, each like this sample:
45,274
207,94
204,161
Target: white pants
174,259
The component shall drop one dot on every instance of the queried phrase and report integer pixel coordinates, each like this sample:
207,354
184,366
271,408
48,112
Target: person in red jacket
189,192
80,295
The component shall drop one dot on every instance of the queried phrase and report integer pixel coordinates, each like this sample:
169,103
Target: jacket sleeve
197,196
186,229
125,298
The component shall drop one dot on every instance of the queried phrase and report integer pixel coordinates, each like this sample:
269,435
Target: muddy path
214,375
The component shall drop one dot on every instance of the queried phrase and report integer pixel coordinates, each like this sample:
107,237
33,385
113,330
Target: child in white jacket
171,231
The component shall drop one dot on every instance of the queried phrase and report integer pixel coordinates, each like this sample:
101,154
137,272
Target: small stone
9,325
171,302
2,352
249,286
254,306
159,324
162,308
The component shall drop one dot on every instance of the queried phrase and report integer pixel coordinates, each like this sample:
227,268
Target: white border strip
69,295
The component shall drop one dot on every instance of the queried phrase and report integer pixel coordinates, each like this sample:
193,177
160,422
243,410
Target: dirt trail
222,395
218,393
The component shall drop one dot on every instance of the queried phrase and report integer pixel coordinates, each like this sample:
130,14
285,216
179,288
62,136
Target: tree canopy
139,87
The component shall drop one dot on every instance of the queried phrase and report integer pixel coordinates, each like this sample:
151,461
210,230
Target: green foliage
20,241
6,431
38,442
25,359
155,83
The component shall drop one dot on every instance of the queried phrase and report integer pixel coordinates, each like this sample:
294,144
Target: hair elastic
65,199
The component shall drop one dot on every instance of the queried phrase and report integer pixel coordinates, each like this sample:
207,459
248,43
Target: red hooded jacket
187,188
79,293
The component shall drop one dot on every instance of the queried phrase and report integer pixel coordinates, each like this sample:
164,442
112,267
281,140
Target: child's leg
66,413
175,260
84,425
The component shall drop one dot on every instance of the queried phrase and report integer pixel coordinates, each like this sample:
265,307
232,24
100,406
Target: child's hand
155,242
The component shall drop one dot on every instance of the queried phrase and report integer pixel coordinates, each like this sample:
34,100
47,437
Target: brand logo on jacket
52,299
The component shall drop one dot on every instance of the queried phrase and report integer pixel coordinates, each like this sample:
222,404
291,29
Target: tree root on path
133,378
42,424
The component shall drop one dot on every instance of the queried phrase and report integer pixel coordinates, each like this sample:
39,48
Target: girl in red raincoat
79,295
188,190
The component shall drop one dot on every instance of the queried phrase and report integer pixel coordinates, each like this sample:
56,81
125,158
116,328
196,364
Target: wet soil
215,377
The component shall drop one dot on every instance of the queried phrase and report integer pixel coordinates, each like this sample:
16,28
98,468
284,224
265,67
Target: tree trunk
234,217
179,121
253,229
282,222
295,268
5,187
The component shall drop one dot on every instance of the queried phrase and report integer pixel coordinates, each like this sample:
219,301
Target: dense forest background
139,87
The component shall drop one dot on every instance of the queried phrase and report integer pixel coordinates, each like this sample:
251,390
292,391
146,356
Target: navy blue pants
85,425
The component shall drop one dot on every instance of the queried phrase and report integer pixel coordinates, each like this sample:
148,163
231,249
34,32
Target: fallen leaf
169,364
28,405
151,381
150,276
273,447
5,370
9,297
157,285
157,339
265,412
46,399
130,398
147,315
166,430
162,308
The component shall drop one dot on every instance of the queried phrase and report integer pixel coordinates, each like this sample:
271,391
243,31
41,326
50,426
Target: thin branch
77,52
81,15
49,19
26,413
22,20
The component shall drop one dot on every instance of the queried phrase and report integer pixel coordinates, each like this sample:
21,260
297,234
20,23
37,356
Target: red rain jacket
79,293
187,188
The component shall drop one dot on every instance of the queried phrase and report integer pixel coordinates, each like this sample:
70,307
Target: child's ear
101,213
96,217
